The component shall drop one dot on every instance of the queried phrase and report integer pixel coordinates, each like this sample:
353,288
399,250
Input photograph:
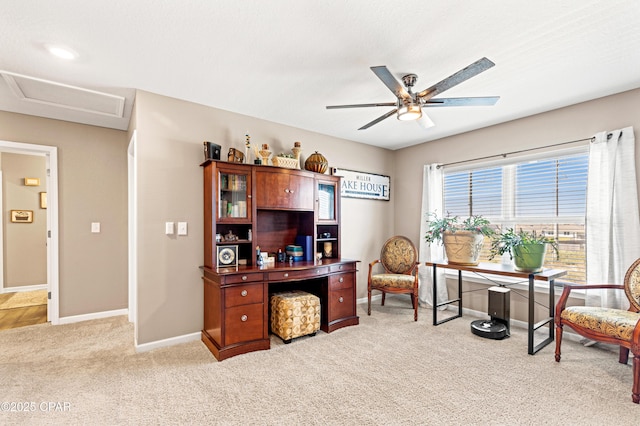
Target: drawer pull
244,278
244,318
286,275
286,190
243,293
341,299
341,279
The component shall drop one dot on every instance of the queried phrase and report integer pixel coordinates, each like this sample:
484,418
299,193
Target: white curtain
612,219
432,201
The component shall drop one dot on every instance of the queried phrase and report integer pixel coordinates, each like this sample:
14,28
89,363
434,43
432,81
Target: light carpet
389,370
23,299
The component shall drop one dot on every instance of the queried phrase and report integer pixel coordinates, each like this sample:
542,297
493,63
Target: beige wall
92,173
93,187
566,124
169,135
25,244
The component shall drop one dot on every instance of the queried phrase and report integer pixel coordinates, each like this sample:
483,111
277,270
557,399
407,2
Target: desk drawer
243,295
341,281
343,267
341,304
243,278
243,323
298,275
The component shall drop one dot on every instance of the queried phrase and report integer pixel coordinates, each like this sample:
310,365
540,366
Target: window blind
545,195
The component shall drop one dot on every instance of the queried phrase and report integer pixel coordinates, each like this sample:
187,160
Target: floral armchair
608,325
399,258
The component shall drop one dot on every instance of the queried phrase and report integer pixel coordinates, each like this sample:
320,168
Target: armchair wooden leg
414,302
624,355
383,295
558,341
369,297
635,393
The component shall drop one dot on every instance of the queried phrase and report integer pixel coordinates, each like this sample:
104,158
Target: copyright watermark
31,406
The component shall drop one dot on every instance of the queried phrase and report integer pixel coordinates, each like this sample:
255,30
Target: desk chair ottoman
294,314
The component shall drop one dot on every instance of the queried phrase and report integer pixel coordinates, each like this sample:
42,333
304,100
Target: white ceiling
285,60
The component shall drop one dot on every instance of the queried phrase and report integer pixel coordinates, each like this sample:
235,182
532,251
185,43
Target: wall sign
363,185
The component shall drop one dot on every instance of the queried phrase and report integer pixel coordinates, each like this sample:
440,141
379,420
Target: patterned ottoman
294,313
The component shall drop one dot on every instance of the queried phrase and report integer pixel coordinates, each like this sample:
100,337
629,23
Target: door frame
132,177
53,259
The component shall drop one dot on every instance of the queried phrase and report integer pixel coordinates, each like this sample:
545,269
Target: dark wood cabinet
228,208
284,189
269,207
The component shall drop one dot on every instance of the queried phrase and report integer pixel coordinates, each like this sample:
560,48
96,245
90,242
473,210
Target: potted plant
526,249
462,238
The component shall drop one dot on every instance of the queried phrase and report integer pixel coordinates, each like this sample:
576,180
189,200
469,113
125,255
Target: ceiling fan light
409,112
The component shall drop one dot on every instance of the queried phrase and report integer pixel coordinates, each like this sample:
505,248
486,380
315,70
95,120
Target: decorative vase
297,149
265,153
327,250
529,257
316,163
463,247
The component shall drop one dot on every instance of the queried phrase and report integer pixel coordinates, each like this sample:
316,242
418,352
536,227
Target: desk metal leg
548,321
436,305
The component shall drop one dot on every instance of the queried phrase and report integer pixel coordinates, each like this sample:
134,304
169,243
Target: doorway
47,210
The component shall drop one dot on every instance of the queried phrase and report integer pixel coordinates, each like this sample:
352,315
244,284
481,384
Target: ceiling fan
409,105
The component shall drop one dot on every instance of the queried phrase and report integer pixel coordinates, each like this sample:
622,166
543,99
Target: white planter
463,247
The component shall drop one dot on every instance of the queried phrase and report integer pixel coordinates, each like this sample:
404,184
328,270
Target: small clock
227,256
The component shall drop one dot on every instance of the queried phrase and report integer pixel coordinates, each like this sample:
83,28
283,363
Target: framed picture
32,181
21,216
227,256
43,200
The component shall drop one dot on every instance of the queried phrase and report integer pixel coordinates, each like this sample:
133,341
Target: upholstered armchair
615,326
399,258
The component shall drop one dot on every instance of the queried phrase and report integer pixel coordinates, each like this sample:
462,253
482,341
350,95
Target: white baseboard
186,338
23,288
92,316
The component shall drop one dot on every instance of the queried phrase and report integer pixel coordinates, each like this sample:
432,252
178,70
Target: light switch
182,228
168,228
95,227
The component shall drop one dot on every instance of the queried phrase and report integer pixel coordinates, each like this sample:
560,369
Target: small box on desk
295,252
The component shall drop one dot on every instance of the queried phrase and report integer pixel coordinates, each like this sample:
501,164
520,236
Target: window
546,195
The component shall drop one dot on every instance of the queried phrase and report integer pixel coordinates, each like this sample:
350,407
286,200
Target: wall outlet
95,227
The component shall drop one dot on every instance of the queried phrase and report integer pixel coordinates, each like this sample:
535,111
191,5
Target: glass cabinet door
232,197
326,201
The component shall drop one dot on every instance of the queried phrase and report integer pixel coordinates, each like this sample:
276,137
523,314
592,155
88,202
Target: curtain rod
504,155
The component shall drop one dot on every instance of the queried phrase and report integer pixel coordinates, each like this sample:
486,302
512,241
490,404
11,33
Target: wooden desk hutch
269,207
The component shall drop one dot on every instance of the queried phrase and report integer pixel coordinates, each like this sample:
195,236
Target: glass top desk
548,275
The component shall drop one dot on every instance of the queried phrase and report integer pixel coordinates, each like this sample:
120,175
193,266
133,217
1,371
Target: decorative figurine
259,260
247,147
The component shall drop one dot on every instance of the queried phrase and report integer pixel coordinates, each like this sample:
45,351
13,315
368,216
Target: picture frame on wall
21,216
43,200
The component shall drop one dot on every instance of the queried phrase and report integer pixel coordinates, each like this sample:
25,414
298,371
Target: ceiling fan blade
463,75
379,119
425,121
449,102
390,81
387,104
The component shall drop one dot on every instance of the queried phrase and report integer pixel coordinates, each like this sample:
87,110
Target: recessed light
62,52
